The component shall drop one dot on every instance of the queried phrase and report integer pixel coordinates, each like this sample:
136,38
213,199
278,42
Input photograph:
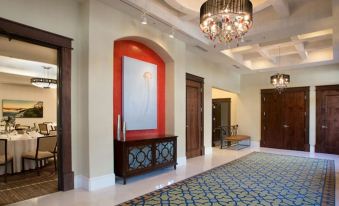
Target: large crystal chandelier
226,20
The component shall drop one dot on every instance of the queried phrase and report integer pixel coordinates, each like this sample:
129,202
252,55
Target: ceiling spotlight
144,19
171,35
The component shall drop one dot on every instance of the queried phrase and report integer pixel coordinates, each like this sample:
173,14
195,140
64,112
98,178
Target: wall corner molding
208,150
255,144
182,161
95,183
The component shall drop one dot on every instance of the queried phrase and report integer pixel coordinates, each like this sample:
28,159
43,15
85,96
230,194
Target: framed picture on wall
139,94
22,108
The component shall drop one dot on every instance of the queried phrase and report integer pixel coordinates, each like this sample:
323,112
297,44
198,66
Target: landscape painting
22,108
139,94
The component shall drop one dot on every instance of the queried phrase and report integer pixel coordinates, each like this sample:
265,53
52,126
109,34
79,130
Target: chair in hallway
5,158
46,149
230,139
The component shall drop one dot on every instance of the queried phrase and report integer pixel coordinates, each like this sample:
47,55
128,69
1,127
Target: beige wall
214,76
26,92
219,94
251,84
67,18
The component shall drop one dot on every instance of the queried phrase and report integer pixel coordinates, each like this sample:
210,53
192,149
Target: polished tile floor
143,184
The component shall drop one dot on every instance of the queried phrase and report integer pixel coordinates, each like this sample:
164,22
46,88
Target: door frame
229,100
307,116
318,110
200,80
63,45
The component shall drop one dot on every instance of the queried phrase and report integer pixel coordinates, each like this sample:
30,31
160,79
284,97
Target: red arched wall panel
139,51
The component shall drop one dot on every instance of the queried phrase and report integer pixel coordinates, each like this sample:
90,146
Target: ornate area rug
256,179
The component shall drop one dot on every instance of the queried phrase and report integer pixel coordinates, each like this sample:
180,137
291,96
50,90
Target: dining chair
43,129
46,149
5,158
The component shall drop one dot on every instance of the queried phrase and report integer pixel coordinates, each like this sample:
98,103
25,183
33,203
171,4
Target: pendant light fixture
45,83
280,81
226,20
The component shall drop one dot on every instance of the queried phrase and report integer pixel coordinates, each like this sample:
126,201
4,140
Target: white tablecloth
18,144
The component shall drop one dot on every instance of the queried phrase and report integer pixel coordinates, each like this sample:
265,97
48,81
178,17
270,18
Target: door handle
286,126
324,127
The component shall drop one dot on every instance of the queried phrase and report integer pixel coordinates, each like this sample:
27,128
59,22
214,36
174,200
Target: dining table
17,144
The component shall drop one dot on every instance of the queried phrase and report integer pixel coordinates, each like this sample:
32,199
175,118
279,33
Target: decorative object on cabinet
118,128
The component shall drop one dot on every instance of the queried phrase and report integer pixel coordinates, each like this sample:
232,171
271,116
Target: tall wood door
194,116
285,119
327,140
221,116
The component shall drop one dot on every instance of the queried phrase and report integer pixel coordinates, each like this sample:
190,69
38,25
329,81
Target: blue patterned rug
256,179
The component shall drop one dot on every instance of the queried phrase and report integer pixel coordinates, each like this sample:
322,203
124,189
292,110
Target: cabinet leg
124,180
175,166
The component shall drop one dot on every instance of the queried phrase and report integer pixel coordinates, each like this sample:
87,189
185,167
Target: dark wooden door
221,116
327,140
285,119
194,116
294,113
271,129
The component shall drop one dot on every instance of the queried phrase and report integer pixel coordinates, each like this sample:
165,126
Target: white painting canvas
139,94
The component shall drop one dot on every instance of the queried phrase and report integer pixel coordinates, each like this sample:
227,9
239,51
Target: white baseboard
94,183
312,149
181,161
208,150
255,143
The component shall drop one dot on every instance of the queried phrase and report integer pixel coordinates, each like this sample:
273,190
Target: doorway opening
224,112
29,56
28,128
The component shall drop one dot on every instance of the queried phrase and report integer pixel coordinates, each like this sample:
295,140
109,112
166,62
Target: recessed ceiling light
143,19
171,35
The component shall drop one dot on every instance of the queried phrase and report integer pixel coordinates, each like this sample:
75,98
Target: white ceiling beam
300,47
262,6
188,17
281,7
265,54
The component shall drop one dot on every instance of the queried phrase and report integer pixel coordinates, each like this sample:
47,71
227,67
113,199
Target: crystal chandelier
45,83
280,81
226,20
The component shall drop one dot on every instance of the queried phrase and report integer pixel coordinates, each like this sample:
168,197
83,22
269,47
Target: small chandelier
45,83
280,81
226,20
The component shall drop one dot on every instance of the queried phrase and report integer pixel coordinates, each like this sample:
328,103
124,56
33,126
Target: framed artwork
139,94
22,108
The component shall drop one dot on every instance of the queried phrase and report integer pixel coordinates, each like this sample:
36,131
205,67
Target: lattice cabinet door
164,152
139,157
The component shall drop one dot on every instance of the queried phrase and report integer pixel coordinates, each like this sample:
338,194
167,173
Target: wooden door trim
200,80
217,100
290,89
14,30
224,100
307,116
327,87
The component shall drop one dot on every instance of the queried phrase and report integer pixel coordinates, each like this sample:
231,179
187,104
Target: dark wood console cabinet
134,157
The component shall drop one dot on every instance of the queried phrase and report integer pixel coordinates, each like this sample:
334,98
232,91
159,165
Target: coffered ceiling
287,34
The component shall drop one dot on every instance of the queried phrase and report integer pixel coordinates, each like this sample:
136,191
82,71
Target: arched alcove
149,51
